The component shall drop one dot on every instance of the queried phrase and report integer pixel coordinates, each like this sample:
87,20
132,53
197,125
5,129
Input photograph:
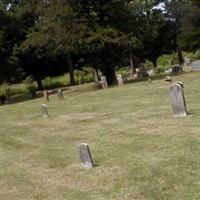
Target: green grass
139,149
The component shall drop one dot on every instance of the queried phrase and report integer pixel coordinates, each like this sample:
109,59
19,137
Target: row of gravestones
103,83
175,91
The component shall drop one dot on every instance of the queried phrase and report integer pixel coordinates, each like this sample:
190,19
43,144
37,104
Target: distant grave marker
46,95
60,95
177,100
120,80
44,110
104,82
85,155
196,65
97,83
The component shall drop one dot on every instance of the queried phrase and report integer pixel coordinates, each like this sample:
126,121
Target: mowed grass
139,149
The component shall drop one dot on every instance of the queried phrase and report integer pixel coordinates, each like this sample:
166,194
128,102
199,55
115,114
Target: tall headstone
120,80
85,155
60,95
44,110
177,100
46,95
104,82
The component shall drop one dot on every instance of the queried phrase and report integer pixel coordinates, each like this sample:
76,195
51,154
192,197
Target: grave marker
44,110
120,80
196,65
85,155
177,100
46,95
104,82
60,95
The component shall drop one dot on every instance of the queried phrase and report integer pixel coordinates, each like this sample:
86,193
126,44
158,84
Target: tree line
41,38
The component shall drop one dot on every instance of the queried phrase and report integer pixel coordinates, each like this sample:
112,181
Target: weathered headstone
44,110
85,155
104,82
46,95
60,95
168,79
176,69
196,65
120,80
177,100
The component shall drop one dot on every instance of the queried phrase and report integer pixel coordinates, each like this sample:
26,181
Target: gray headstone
85,155
120,80
44,110
96,83
60,95
196,65
104,82
177,100
46,95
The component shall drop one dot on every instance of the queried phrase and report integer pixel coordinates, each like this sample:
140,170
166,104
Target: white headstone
120,80
104,82
44,110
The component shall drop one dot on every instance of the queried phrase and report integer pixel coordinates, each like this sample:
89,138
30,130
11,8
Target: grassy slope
139,149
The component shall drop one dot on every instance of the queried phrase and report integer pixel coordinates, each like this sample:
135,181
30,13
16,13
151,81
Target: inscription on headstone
104,82
120,80
44,110
177,100
85,155
46,95
60,95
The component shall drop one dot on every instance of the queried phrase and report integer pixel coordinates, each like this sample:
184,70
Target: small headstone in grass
46,95
196,65
60,95
85,155
168,79
104,82
177,100
120,80
44,110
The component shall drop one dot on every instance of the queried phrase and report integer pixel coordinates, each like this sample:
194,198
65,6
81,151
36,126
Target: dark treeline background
41,38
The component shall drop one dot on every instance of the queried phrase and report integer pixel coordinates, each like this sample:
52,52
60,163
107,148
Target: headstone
176,69
196,65
85,155
104,82
44,110
143,71
120,80
177,100
60,95
46,95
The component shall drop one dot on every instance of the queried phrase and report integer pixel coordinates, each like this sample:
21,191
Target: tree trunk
154,61
39,83
109,73
71,70
180,57
133,70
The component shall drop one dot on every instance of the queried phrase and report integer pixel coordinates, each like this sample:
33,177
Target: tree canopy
49,37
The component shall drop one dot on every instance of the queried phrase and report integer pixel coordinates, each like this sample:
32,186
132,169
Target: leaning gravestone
44,110
85,155
46,95
60,95
104,82
196,65
177,100
120,80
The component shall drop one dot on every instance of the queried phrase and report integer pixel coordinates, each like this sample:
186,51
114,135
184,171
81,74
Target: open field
139,149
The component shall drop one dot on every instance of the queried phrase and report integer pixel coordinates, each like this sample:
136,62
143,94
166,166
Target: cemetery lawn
140,150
